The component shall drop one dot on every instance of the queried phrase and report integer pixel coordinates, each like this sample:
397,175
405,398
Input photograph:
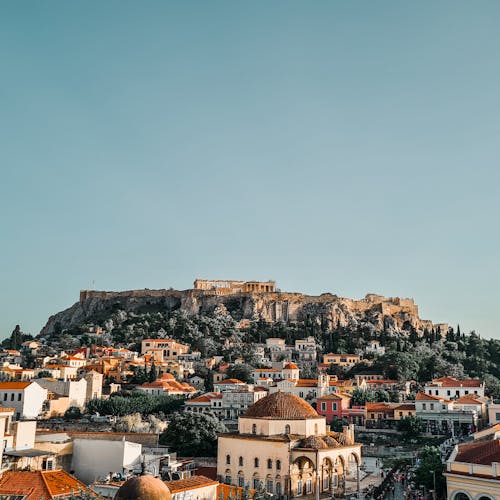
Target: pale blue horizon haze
344,147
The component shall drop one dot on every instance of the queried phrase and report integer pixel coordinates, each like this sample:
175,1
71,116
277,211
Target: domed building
284,446
145,487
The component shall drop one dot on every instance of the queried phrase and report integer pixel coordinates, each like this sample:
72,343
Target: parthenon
230,286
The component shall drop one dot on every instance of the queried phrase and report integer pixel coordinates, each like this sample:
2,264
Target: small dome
144,487
282,406
291,366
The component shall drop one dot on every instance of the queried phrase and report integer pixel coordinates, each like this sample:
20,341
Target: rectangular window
5,397
326,485
19,397
12,397
424,406
309,486
323,406
227,480
334,406
299,488
269,486
241,481
448,393
432,406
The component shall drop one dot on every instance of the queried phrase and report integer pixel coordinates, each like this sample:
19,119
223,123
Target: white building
442,416
75,390
452,388
96,458
94,385
26,398
375,348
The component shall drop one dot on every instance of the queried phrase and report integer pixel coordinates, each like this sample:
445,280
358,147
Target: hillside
327,311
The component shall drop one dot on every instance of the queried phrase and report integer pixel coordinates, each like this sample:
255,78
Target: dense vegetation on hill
408,355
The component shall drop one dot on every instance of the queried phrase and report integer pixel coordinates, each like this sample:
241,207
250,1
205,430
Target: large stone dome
281,406
144,487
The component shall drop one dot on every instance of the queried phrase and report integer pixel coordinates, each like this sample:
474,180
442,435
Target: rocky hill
391,314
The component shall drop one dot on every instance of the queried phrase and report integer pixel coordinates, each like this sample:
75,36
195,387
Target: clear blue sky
338,146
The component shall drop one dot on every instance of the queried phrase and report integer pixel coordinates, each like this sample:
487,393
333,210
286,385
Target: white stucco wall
95,458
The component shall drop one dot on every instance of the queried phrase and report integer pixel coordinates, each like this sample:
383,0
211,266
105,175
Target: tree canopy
193,434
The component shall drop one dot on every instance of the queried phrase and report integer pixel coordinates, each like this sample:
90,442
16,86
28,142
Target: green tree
241,372
362,396
72,413
411,427
16,338
44,374
192,434
430,467
153,373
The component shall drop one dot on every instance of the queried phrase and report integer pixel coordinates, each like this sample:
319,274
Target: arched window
240,461
228,459
278,489
278,464
461,496
287,429
256,462
254,429
269,463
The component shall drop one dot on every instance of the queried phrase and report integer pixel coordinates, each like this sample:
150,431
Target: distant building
442,417
375,348
167,384
26,398
163,349
343,360
452,388
225,287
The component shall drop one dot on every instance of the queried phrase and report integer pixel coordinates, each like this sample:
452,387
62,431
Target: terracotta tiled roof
307,382
468,400
39,484
190,483
377,406
200,399
421,396
229,381
13,385
484,453
406,406
291,366
282,406
453,382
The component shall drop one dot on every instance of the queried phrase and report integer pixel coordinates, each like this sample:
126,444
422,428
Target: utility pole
434,494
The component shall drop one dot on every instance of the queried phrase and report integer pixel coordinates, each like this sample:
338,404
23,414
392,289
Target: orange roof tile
453,382
484,453
421,396
13,385
468,399
190,483
229,381
39,484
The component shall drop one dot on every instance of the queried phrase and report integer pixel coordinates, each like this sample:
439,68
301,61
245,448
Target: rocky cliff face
390,313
